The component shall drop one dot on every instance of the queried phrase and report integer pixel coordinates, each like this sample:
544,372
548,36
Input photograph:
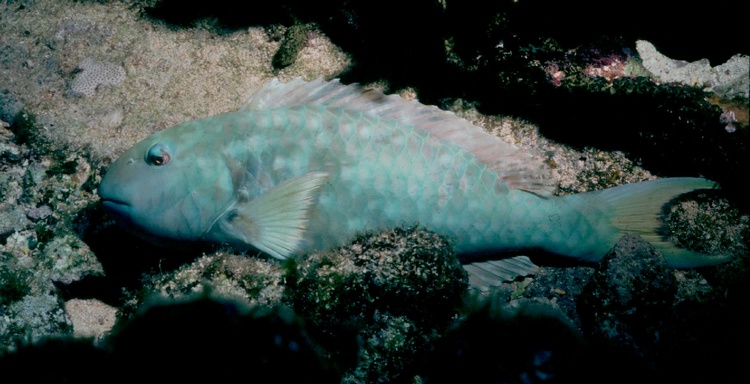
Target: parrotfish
305,166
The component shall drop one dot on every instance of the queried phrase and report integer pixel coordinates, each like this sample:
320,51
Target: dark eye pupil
158,155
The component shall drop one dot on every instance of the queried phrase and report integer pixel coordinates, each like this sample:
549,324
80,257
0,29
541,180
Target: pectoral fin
276,221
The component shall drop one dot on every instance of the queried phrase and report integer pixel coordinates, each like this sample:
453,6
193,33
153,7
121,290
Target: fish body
305,166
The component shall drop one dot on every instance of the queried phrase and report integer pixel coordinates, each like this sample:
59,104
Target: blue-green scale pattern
383,173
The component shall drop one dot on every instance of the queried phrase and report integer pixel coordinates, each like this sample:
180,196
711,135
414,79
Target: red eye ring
158,155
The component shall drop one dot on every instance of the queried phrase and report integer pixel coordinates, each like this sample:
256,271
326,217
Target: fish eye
158,155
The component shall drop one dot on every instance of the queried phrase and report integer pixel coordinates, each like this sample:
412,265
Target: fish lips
123,215
119,210
108,195
115,206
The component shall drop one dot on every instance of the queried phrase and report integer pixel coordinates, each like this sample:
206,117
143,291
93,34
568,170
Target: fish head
170,187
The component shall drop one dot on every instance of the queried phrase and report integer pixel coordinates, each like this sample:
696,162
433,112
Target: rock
33,318
627,303
727,80
268,342
528,341
67,259
294,40
731,78
256,281
90,318
12,219
39,213
221,334
397,289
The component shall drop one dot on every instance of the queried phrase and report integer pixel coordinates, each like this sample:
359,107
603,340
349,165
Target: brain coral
94,74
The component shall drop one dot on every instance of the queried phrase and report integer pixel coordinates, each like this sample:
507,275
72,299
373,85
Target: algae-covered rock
225,340
527,341
397,289
30,308
627,303
292,43
255,281
43,195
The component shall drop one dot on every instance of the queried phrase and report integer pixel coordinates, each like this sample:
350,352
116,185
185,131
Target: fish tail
637,209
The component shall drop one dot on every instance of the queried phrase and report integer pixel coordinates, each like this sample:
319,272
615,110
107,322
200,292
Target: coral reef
94,74
42,193
579,98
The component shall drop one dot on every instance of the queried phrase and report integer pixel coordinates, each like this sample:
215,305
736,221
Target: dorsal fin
518,170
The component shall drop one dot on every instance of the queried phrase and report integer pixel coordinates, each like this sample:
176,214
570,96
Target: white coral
727,80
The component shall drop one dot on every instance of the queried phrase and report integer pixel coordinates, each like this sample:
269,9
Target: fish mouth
122,213
115,205
113,202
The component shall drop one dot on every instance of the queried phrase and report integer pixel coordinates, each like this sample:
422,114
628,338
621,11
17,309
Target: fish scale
457,199
304,166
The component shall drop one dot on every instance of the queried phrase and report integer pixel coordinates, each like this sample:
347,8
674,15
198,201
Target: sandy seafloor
88,79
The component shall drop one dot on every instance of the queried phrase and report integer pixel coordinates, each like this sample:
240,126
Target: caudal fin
637,210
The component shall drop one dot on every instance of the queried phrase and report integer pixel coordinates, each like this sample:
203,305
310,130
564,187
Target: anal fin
486,274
